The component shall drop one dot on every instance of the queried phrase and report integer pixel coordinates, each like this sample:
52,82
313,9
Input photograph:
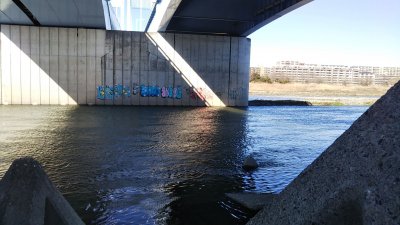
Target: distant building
296,71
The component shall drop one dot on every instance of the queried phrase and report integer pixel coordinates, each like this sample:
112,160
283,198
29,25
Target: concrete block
209,75
355,181
152,81
100,64
63,66
44,64
233,75
224,75
211,51
53,73
5,64
253,201
27,196
243,72
118,51
15,65
220,82
72,66
82,80
143,79
91,80
25,68
118,36
219,47
136,68
109,43
144,66
187,81
135,88
67,65
91,42
160,77
126,51
34,65
169,69
144,52
202,54
126,82
178,79
194,64
82,42
109,83
117,81
91,66
82,66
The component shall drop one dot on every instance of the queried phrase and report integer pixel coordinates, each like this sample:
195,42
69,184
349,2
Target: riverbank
318,94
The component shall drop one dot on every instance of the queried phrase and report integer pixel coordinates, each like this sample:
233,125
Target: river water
167,165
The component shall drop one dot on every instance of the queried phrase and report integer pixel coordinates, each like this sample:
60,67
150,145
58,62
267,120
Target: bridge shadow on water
123,165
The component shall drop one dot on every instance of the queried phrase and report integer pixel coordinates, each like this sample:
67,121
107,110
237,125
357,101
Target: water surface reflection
166,165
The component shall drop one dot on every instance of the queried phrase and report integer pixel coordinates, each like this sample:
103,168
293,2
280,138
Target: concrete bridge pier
27,196
69,66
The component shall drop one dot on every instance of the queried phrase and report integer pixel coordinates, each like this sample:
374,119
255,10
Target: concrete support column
68,66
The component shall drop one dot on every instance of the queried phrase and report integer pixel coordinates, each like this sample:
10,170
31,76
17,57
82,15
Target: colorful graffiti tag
113,92
116,91
165,92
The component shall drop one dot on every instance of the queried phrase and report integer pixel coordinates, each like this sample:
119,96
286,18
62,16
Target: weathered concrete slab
72,66
91,67
44,64
6,92
253,201
82,66
28,197
99,62
355,181
15,38
63,97
53,72
69,66
25,70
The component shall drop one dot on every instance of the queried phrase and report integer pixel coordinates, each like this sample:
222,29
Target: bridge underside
197,54
228,17
57,13
221,17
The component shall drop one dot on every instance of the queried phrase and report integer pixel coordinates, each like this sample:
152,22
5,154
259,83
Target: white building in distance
296,71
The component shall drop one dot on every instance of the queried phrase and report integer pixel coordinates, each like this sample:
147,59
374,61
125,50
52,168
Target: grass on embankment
322,94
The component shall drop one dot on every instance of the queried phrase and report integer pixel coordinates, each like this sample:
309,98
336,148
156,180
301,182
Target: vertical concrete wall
68,66
50,66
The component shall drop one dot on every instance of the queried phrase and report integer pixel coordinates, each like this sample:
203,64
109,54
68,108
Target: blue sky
345,32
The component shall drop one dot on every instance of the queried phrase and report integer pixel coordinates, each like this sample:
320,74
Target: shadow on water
133,165
167,165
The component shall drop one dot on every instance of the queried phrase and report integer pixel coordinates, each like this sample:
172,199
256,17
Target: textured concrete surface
69,66
355,181
28,197
253,201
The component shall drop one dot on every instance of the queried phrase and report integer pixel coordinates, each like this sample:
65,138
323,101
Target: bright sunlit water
167,165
